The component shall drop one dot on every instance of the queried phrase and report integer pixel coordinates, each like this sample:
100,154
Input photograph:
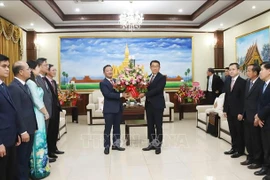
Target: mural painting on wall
253,48
82,59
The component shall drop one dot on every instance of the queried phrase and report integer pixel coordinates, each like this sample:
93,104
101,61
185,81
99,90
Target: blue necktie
250,85
264,87
5,90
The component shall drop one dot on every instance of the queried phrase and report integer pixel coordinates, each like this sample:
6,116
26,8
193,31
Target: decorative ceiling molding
147,17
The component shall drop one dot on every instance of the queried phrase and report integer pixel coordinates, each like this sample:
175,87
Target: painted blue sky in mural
87,56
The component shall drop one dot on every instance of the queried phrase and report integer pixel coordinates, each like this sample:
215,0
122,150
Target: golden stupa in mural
118,69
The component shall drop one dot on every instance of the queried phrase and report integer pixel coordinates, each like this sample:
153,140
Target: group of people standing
29,114
247,109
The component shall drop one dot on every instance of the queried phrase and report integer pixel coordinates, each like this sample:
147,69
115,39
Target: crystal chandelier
130,20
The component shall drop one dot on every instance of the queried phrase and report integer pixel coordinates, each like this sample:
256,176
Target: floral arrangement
190,94
133,80
68,97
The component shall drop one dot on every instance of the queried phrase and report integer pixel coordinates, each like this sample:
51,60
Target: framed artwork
82,58
253,48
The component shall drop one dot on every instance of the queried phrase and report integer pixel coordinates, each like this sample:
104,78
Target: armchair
95,107
62,124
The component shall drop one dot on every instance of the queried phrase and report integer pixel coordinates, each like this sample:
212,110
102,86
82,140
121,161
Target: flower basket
187,94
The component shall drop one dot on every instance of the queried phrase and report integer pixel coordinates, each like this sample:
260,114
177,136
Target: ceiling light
130,20
180,10
2,4
31,24
77,10
221,24
82,18
253,7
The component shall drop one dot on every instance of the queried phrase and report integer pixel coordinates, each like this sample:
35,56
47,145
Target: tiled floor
188,153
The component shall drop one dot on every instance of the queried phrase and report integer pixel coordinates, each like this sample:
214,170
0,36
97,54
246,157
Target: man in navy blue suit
8,126
22,99
154,106
112,110
262,118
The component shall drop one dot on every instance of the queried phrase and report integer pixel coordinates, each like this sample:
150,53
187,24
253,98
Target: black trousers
236,128
53,131
23,158
154,125
253,142
265,135
112,120
210,97
8,164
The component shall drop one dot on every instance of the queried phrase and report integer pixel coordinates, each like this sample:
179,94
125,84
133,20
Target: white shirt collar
1,82
254,80
21,81
49,79
235,78
109,79
41,75
267,82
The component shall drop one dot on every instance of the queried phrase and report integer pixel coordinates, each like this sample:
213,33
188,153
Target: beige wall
247,27
203,52
24,46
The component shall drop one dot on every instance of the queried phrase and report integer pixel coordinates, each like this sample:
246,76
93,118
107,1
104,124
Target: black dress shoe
158,150
236,155
150,147
52,155
106,151
118,148
51,160
59,152
246,162
261,172
254,166
232,151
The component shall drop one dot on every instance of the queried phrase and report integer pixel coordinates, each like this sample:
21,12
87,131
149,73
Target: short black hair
41,61
32,65
16,69
3,58
50,66
227,68
154,61
266,65
211,70
255,68
236,64
106,67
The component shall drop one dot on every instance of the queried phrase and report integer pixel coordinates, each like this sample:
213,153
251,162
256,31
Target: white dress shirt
210,82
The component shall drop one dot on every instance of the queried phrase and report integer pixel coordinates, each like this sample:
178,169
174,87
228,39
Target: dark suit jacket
25,107
55,101
264,107
155,94
112,100
47,98
217,84
234,100
252,98
8,120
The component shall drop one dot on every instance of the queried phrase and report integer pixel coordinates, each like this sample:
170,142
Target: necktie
112,82
152,78
27,89
44,80
264,87
250,85
232,84
5,91
53,85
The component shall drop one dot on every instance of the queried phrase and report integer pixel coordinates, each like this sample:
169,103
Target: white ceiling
21,15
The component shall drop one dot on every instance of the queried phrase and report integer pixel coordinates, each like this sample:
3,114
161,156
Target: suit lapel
23,88
253,87
7,98
155,79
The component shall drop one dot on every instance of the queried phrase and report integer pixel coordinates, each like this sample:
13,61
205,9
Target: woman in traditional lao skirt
39,161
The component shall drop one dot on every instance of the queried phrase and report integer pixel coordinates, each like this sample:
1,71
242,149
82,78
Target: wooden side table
186,107
74,112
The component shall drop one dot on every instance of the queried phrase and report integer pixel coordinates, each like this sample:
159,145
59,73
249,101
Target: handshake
125,95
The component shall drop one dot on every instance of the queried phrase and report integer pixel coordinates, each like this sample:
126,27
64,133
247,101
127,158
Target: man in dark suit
154,106
53,128
233,110
112,110
21,96
262,119
214,86
252,134
8,126
47,98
